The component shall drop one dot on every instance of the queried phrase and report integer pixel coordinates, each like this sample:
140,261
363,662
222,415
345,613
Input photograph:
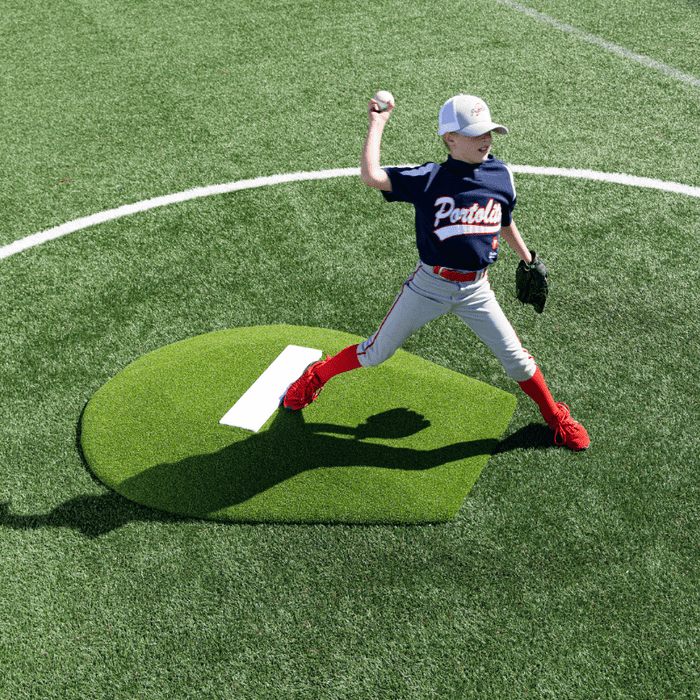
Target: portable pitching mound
400,443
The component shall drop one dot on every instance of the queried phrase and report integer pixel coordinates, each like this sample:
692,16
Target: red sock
536,388
344,361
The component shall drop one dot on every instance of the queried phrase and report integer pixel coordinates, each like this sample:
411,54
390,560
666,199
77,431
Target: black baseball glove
531,285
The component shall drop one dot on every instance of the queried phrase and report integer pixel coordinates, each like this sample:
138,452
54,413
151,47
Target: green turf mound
402,443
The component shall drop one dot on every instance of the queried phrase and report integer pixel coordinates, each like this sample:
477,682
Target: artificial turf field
562,575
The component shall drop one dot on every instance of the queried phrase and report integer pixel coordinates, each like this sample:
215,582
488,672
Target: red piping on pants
396,301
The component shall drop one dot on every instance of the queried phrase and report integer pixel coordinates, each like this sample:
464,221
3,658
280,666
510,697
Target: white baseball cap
467,115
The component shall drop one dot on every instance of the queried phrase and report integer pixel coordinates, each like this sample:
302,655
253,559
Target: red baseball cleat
305,389
567,431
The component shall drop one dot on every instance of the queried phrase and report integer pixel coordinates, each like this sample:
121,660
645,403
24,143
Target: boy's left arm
512,237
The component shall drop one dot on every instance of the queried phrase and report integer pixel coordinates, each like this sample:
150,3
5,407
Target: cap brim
482,128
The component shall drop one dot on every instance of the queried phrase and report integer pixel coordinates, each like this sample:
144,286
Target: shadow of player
91,515
97,515
210,482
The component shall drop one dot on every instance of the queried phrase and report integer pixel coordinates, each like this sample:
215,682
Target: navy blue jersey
460,209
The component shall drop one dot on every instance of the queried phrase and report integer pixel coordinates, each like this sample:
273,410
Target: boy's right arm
370,171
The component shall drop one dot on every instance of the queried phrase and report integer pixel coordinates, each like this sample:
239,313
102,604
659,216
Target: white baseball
383,98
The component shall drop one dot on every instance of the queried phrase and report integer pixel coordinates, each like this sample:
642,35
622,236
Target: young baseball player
463,210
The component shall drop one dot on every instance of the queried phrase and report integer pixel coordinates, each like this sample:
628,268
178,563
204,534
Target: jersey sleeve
507,215
407,184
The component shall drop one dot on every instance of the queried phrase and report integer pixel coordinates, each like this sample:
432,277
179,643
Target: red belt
455,276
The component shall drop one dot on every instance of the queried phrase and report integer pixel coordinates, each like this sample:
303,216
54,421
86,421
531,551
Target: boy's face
471,149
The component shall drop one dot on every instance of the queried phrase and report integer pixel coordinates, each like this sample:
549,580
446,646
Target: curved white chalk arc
165,200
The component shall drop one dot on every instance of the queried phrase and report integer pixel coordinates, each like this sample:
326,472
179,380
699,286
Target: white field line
607,45
147,204
617,178
128,209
